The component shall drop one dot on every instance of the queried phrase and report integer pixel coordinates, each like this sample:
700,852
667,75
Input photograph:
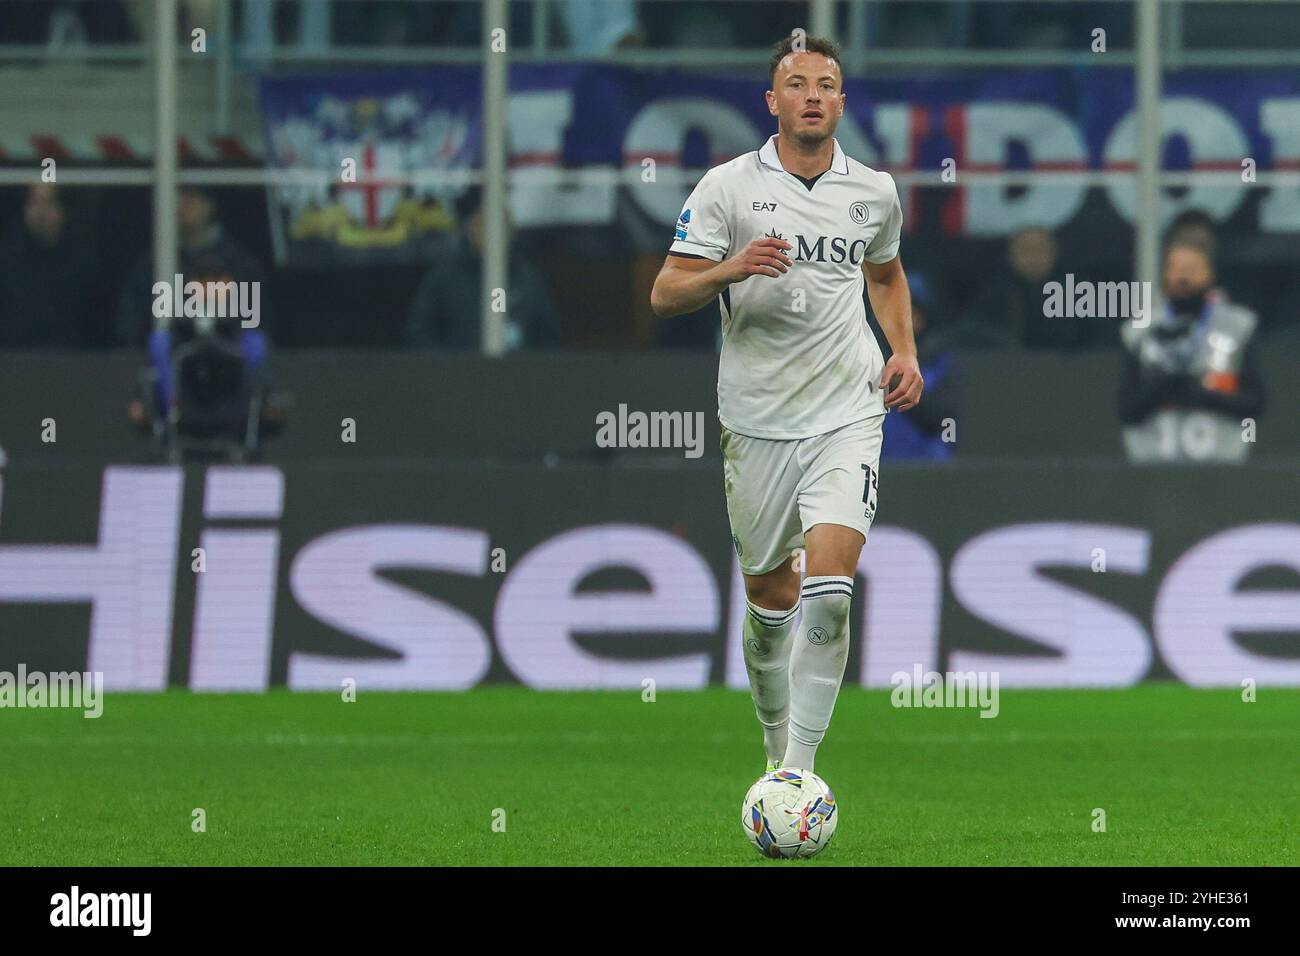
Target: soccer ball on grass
789,813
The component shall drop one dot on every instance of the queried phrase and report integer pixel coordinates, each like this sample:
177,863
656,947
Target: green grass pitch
1184,776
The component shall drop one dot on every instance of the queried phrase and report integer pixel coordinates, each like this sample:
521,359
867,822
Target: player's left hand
902,382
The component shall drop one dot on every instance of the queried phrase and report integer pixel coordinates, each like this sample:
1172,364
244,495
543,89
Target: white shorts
777,490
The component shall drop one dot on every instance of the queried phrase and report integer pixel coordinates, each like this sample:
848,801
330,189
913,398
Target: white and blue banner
598,145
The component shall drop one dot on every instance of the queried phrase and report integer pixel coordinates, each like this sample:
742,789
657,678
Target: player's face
806,98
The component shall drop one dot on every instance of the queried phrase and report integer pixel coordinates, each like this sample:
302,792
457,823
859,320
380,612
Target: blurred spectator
48,281
255,22
1010,311
702,25
400,22
191,15
595,27
205,255
1195,227
257,27
64,25
446,311
918,433
1190,376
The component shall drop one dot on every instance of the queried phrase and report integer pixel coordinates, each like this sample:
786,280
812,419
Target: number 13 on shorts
870,488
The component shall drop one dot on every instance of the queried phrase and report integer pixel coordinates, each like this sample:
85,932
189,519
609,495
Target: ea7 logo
764,207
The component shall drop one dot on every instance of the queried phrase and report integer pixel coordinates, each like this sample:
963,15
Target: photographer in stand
1190,379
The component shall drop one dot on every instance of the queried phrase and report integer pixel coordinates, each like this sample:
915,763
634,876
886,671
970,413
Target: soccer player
782,237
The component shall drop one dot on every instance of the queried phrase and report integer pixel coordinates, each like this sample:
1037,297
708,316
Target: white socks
767,659
816,665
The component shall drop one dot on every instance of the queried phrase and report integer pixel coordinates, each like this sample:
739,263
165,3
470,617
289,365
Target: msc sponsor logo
829,249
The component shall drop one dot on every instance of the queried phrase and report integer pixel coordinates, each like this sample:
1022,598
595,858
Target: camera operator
1190,377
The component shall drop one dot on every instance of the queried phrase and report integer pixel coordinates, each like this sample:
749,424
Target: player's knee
775,599
773,592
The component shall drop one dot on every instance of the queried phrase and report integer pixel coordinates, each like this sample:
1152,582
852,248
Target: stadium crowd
54,290
75,271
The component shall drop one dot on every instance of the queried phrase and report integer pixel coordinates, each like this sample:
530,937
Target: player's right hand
762,257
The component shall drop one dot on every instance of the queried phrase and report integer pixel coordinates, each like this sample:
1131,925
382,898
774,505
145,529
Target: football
789,813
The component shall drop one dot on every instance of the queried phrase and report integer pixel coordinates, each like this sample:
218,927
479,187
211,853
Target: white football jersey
798,358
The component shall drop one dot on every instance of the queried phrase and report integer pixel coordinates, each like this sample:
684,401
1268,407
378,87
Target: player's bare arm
684,285
892,303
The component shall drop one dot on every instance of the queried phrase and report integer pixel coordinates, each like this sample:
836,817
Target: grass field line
1185,777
